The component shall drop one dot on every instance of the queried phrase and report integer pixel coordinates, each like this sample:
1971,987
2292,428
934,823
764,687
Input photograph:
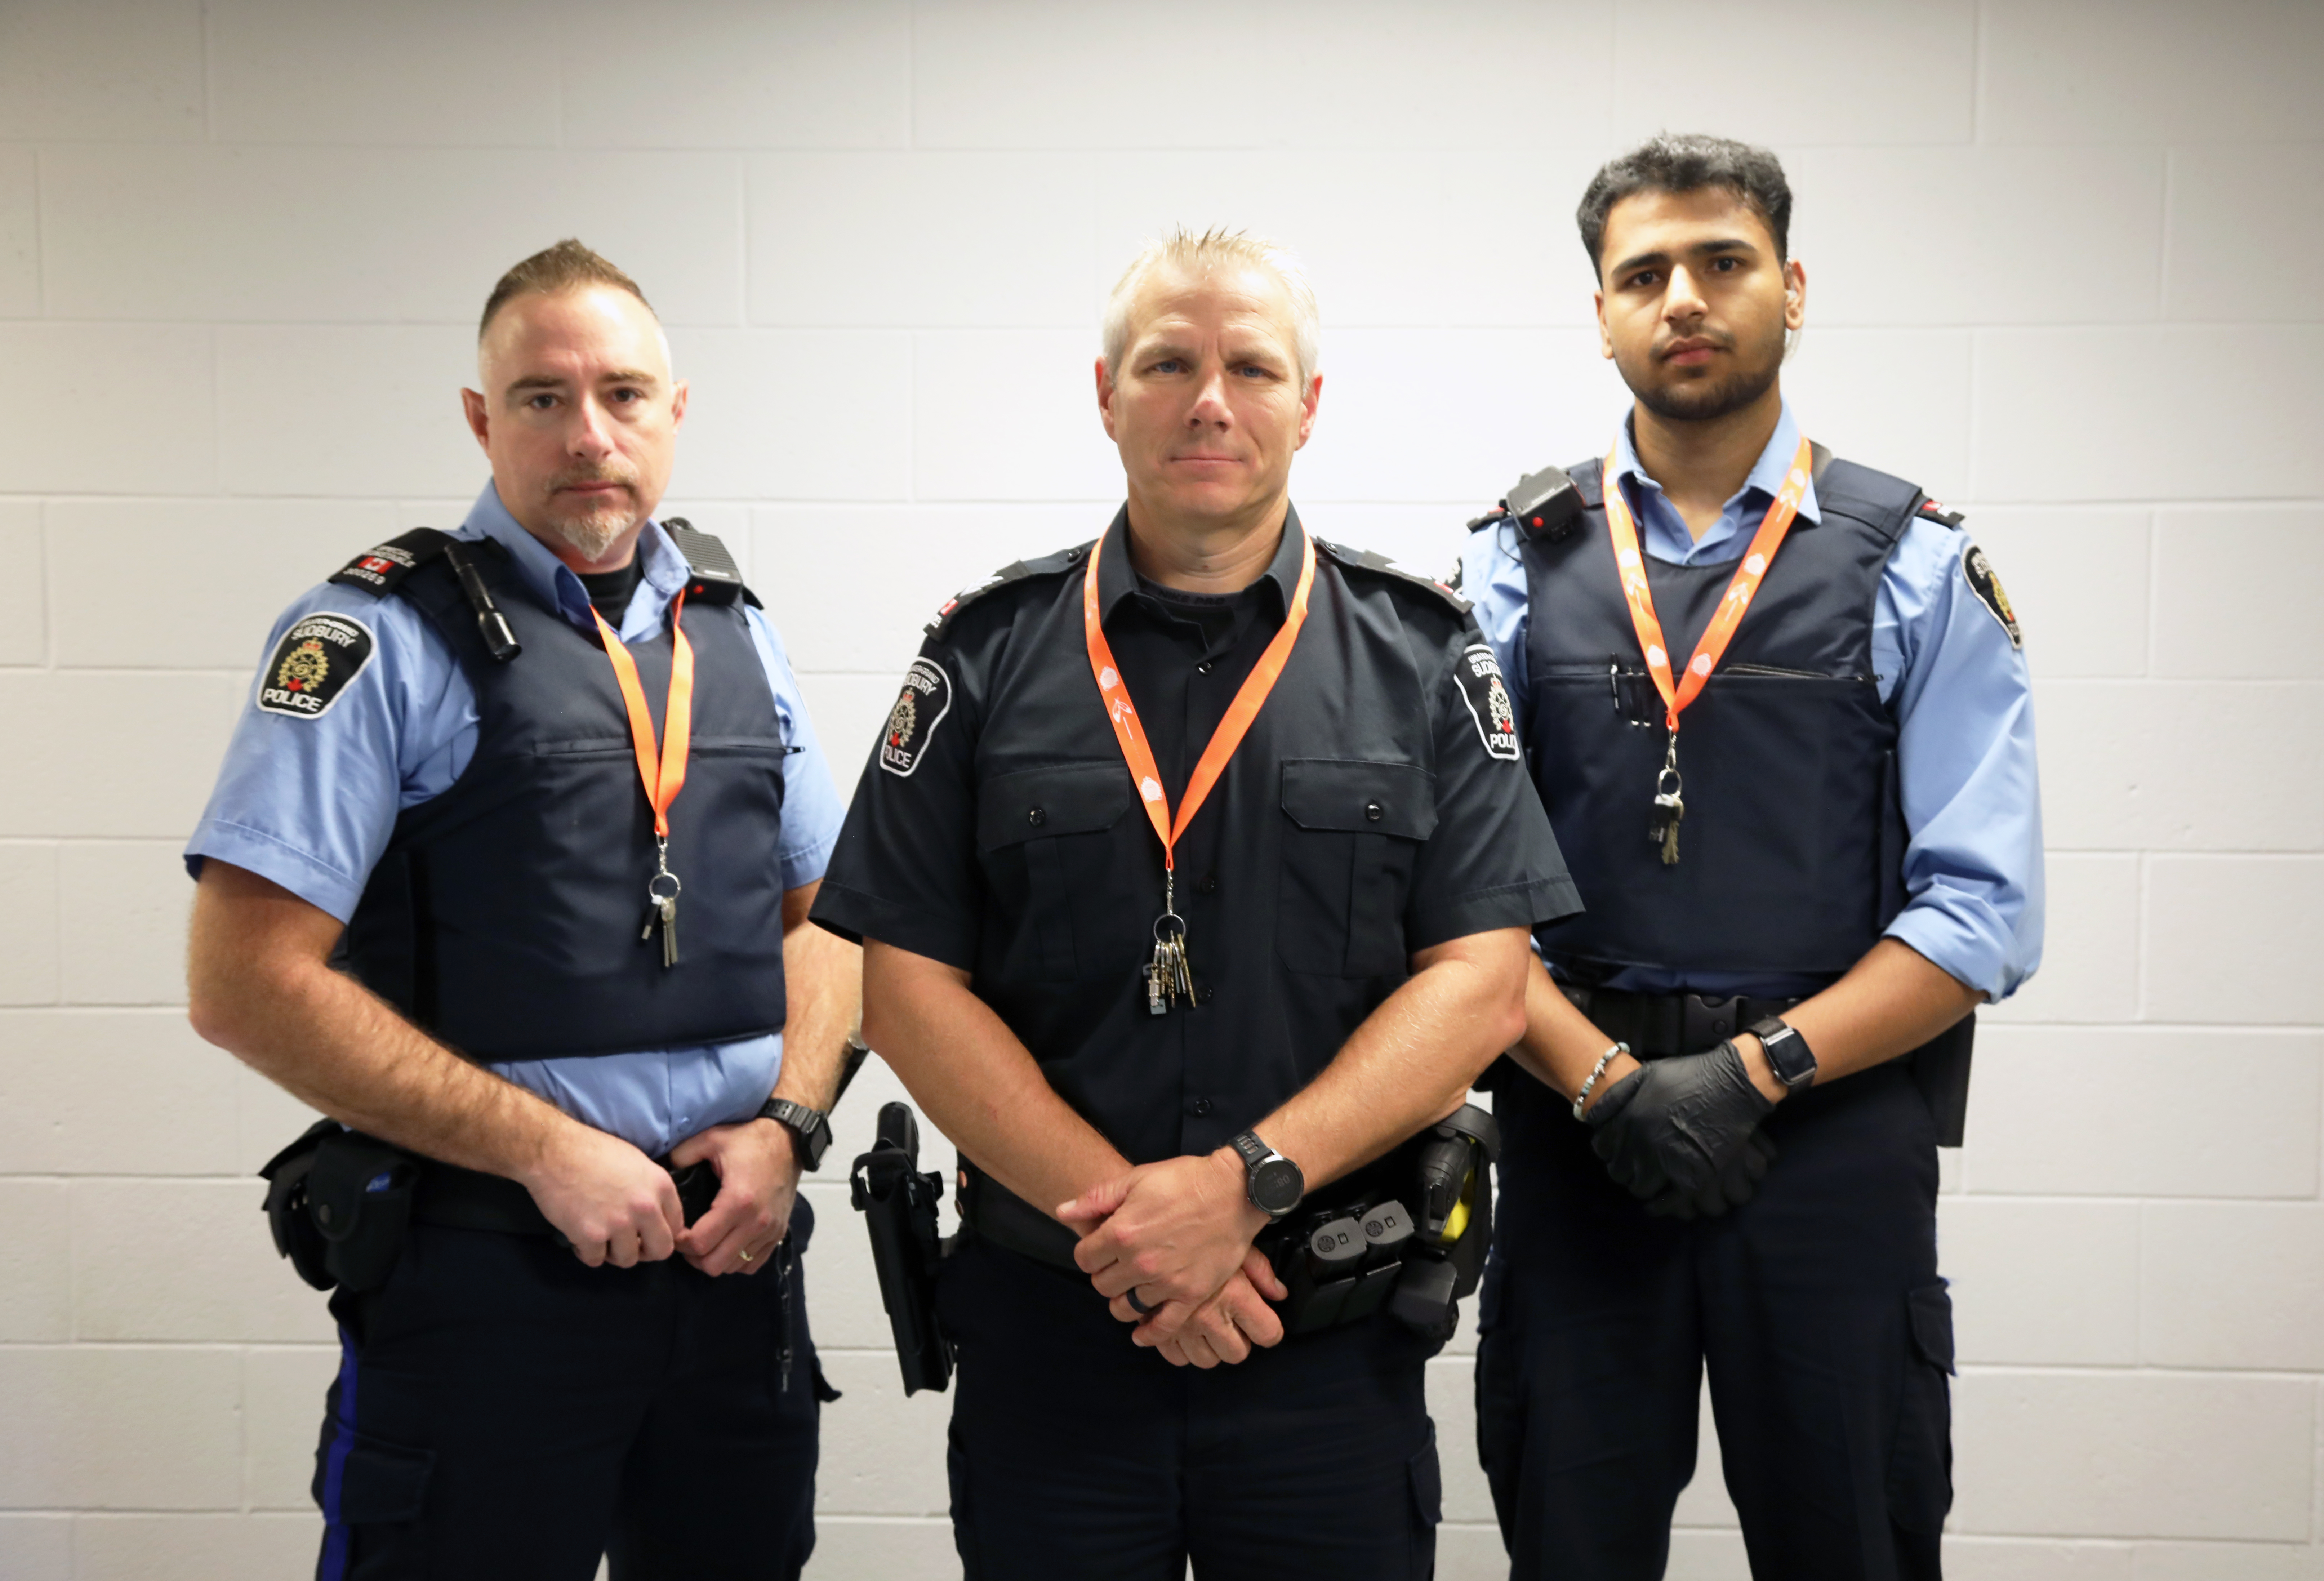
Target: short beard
1707,403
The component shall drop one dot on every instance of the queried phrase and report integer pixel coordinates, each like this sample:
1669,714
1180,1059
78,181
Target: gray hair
1214,249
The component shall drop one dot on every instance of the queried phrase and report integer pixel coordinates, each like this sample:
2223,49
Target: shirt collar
1766,473
1117,579
553,583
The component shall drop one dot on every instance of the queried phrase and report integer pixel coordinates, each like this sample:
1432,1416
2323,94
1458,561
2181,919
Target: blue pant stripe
334,1564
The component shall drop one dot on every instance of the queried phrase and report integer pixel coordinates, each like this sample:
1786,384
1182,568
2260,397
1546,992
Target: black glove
1737,1184
1676,1134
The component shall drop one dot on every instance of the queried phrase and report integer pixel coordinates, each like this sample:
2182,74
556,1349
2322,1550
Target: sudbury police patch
925,699
316,660
1987,588
1488,696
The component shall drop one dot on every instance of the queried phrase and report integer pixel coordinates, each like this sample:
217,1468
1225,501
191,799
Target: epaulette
1365,560
1544,504
379,569
711,575
1937,512
1064,560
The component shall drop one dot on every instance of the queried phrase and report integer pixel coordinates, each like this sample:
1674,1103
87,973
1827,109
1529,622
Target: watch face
1277,1186
1788,1056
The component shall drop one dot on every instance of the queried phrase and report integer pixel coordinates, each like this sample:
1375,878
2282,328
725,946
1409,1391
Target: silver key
668,922
1670,811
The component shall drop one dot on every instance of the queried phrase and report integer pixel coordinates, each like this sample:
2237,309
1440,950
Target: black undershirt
609,591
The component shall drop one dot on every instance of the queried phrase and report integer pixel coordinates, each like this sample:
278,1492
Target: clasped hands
615,1205
1179,1232
1682,1134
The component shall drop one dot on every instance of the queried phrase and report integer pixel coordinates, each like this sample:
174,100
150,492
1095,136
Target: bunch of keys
1169,977
1670,807
662,910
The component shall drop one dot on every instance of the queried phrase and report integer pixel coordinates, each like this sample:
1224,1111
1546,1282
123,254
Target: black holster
338,1203
899,1205
1355,1246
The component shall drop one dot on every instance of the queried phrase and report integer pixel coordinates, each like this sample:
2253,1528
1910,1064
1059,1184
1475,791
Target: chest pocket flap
1052,822
1348,864
1058,798
1360,797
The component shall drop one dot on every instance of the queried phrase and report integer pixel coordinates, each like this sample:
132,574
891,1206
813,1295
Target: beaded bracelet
1596,1071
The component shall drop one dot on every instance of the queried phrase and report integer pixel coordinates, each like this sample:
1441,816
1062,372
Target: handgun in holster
1357,1245
899,1205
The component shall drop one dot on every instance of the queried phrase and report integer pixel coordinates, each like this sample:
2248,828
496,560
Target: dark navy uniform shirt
1377,807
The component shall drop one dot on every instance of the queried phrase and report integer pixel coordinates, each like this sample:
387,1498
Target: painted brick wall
2063,262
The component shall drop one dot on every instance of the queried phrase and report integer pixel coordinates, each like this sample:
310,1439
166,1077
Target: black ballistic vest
1792,850
504,916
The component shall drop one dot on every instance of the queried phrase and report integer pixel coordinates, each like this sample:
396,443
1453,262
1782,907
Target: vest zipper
1778,673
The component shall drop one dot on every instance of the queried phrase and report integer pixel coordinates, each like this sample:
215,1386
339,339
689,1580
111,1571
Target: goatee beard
593,535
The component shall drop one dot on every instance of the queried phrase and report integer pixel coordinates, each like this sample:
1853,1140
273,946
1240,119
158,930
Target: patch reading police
920,707
316,660
1987,588
1488,696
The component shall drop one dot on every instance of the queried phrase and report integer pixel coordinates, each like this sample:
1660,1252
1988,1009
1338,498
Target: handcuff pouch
295,1234
359,1201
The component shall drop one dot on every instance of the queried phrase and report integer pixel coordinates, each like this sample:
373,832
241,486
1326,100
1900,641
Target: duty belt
1012,1223
1658,1025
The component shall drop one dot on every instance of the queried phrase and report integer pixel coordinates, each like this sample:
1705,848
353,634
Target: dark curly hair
1687,163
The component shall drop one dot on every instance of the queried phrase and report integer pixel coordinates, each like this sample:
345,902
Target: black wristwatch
811,1127
1788,1054
1272,1182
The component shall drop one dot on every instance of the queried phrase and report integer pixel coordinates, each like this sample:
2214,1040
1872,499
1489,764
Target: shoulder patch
1987,588
1488,696
317,659
1365,560
920,707
378,570
1935,511
1016,571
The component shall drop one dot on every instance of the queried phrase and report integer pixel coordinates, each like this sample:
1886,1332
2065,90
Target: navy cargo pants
1075,1454
1816,1307
502,1410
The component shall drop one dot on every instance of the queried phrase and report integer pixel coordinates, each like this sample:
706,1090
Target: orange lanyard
1632,563
663,771
1223,740
1169,978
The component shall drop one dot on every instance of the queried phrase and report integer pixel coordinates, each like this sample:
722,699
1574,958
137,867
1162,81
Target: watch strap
1254,1152
811,1127
1788,1054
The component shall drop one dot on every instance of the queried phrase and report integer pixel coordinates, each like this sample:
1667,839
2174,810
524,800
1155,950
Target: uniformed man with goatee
507,873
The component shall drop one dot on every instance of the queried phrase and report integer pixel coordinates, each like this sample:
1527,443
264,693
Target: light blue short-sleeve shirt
1948,669
310,803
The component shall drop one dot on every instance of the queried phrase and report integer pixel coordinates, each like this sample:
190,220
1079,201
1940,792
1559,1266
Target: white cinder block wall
2063,263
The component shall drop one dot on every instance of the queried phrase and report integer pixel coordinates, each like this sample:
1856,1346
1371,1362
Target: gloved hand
1679,1133
1737,1183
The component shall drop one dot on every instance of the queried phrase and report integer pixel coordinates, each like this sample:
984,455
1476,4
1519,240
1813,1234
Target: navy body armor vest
504,916
1792,850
